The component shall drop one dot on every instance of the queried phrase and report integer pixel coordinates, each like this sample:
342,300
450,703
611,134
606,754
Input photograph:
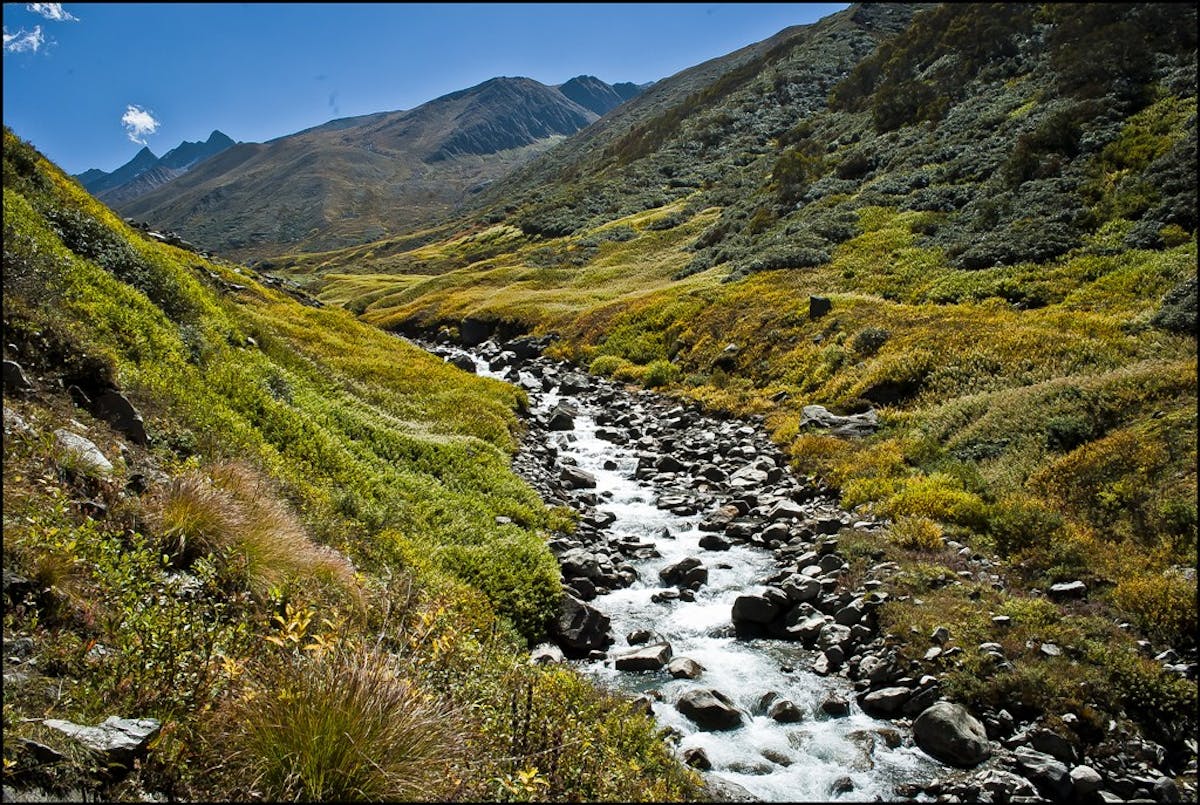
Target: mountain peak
596,95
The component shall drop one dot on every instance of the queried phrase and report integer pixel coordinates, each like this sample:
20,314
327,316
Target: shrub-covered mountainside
999,204
289,538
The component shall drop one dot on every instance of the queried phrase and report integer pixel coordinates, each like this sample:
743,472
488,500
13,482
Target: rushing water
807,761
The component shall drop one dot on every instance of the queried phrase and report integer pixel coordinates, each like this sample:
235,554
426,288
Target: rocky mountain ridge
146,171
356,179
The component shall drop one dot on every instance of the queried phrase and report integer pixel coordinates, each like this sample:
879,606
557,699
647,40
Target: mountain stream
819,757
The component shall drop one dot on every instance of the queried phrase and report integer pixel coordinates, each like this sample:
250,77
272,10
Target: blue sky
84,81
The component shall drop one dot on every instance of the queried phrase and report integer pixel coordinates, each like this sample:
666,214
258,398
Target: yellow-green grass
281,429
1022,380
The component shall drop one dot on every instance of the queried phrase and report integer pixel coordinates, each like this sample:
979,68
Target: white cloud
23,40
138,123
52,11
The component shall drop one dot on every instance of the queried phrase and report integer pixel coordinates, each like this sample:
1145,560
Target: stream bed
658,484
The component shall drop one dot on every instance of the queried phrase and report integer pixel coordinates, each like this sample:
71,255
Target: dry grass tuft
342,726
233,510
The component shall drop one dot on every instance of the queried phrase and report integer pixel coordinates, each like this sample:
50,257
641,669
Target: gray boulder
949,733
685,572
818,416
115,408
1051,776
684,668
575,478
580,629
885,702
710,709
117,740
647,658
785,712
14,378
83,450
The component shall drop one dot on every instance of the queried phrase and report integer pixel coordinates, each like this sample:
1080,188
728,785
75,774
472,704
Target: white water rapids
815,760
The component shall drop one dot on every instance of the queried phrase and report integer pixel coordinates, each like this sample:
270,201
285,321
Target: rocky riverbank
726,473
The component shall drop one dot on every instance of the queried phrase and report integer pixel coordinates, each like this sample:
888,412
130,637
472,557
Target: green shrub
659,373
606,365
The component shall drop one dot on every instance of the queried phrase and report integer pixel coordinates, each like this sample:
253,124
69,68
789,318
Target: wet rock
464,362
1048,774
761,608
684,668
800,588
1004,785
83,450
949,733
575,478
546,654
714,542
639,637
1044,740
650,658
561,419
573,383
710,709
685,573
697,758
718,789
842,785
580,629
835,706
785,712
117,740
1166,790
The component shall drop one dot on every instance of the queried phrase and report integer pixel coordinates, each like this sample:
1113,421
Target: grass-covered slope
1000,203
320,538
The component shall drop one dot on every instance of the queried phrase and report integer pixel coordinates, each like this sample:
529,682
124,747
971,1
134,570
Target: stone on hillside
1085,781
710,709
852,425
649,658
579,628
949,733
83,450
818,306
15,380
800,588
546,654
117,740
1067,589
115,408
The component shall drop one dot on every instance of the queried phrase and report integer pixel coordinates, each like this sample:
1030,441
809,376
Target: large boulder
757,608
885,702
647,658
710,709
575,478
580,629
949,733
1051,776
684,573
684,668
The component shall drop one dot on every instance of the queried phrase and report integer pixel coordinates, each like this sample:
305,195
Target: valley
817,423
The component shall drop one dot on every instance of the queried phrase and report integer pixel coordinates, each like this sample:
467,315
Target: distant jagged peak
598,96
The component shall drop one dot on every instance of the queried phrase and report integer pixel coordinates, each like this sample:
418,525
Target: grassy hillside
320,539
1005,224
